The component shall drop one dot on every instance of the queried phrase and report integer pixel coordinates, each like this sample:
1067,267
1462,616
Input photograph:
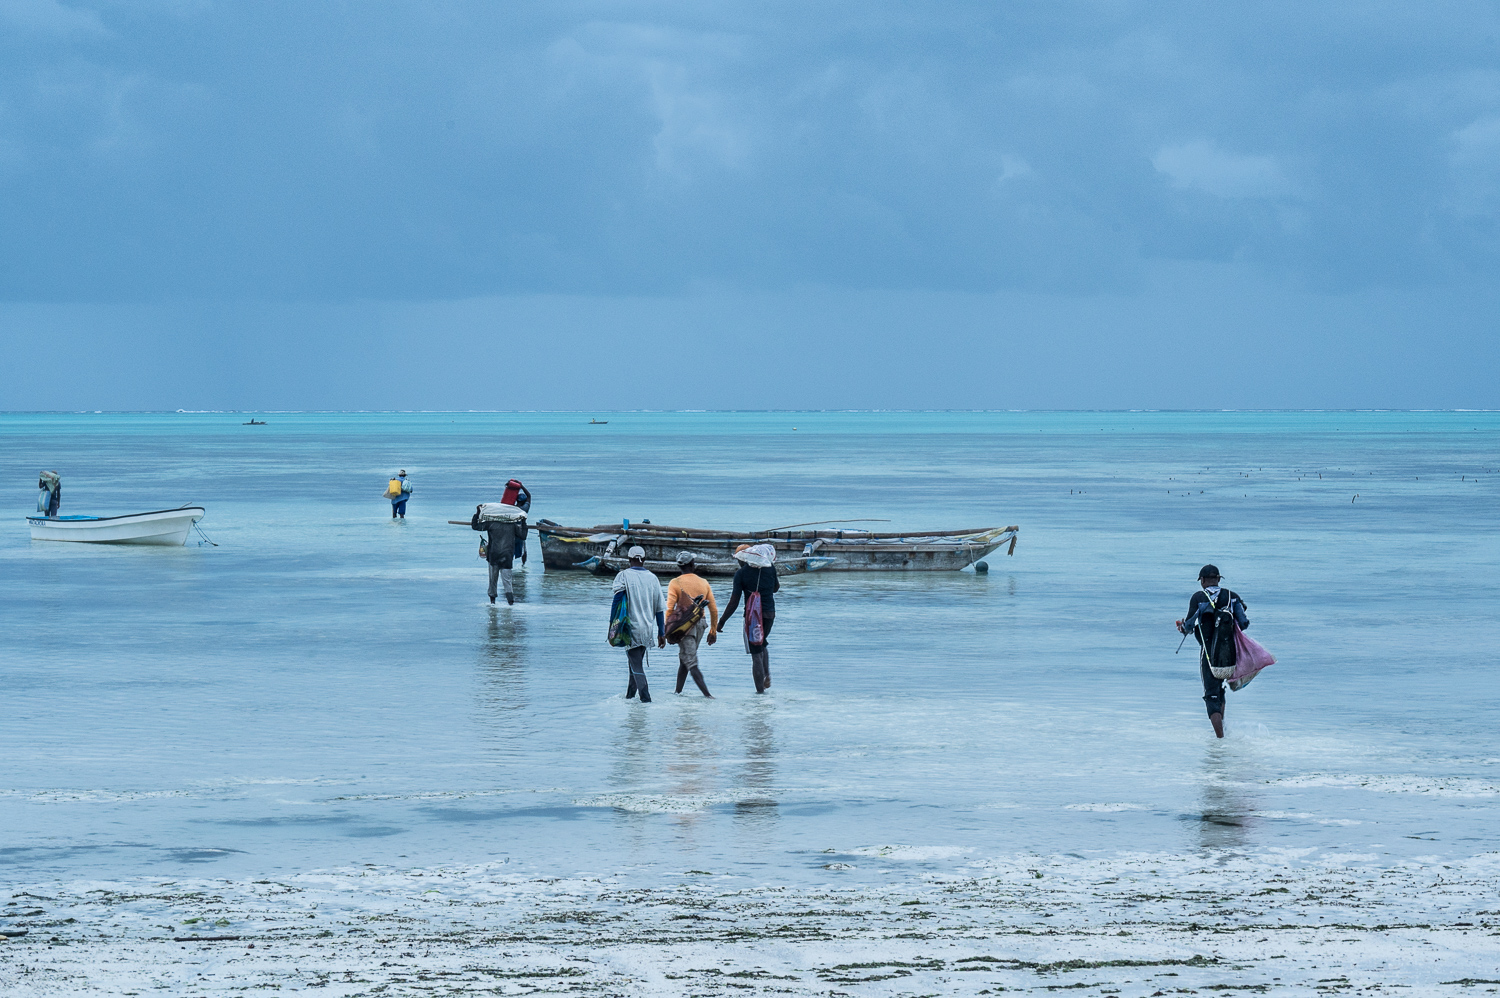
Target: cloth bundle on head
503,512
756,555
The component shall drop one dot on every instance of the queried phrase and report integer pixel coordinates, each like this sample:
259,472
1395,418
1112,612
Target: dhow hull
575,548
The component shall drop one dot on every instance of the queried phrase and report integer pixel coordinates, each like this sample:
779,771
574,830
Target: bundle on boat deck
602,548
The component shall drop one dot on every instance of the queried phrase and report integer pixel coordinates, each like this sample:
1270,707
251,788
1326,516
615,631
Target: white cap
636,551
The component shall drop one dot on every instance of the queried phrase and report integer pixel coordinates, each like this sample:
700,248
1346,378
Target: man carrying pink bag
1216,617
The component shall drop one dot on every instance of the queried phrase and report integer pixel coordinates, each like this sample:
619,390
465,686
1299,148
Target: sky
615,204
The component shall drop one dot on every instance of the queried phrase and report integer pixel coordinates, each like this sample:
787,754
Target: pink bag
755,623
755,626
1250,658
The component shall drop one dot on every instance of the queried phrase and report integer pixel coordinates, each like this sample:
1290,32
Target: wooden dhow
602,548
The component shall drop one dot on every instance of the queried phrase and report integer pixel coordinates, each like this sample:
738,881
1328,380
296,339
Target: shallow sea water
327,688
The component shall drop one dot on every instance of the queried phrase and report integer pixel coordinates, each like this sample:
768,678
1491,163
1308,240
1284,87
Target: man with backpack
502,538
398,491
1213,614
684,594
640,591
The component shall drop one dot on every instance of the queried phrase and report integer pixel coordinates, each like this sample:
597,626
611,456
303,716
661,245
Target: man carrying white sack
505,530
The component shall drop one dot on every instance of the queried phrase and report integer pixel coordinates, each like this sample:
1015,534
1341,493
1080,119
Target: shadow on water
501,660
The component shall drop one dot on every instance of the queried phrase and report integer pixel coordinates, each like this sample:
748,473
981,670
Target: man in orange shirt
685,588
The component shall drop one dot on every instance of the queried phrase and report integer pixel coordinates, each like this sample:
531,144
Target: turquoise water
328,687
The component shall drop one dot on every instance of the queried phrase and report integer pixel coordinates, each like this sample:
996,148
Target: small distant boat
169,527
598,422
602,548
255,422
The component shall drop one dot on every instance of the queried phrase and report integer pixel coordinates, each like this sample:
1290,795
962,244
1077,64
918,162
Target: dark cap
1208,572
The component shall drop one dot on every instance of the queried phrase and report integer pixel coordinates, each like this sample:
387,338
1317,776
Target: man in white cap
643,602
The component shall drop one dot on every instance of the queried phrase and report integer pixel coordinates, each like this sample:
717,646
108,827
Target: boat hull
166,527
603,551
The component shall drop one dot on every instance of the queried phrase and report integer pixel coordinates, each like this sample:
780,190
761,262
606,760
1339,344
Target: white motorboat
164,526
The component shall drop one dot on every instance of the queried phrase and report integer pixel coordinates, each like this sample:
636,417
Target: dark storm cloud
439,150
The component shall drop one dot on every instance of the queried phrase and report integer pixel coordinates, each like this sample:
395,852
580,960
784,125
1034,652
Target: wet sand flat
1133,925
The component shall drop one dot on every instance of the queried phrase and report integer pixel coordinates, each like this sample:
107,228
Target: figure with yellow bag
397,492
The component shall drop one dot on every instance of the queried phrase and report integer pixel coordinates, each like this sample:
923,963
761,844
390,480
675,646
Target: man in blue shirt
399,495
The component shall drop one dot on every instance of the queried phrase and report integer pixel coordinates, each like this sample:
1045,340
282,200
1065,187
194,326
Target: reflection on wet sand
693,770
757,809
635,767
501,661
1227,808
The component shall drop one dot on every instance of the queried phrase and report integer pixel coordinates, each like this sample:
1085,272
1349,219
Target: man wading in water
756,577
504,538
1208,606
645,606
681,593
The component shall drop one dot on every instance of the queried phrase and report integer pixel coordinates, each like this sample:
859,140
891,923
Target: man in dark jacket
756,579
1201,621
504,537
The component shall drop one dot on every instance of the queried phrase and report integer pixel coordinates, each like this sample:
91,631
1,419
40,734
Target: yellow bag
393,491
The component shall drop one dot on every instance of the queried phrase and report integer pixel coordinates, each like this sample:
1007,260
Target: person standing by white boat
50,498
644,604
398,491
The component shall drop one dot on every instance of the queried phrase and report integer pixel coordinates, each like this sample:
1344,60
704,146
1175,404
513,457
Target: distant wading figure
503,537
756,580
398,491
644,606
682,592
1208,608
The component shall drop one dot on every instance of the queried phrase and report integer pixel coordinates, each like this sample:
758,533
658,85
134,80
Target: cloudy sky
687,205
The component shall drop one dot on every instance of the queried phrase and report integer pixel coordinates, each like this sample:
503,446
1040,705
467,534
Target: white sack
758,555
504,512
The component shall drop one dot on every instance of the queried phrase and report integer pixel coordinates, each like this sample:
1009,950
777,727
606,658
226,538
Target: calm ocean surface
328,687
